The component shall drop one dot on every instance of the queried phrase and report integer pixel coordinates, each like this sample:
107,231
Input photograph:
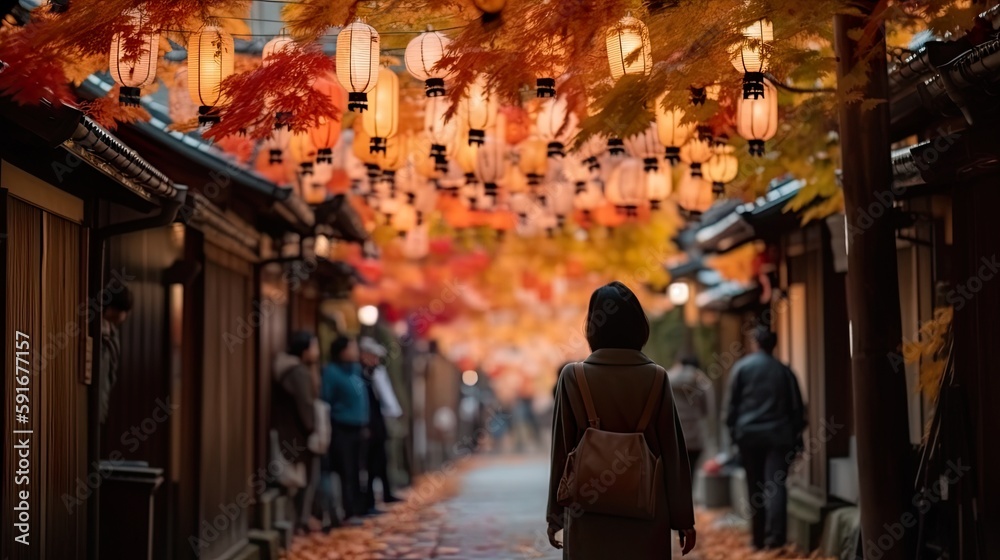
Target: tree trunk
885,461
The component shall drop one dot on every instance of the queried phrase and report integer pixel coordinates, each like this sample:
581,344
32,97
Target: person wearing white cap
382,404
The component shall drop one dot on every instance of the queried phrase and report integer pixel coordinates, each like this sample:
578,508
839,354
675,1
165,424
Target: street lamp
368,315
678,293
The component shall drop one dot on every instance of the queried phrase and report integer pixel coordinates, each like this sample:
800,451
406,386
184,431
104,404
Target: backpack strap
654,395
588,401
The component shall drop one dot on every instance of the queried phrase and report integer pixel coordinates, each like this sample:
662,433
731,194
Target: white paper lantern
138,70
491,163
381,120
281,43
750,57
694,193
211,59
696,152
646,146
671,130
659,185
556,125
421,57
441,132
721,168
629,48
358,51
626,187
481,108
757,119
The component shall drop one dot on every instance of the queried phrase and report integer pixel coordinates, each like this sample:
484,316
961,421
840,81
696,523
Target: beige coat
620,381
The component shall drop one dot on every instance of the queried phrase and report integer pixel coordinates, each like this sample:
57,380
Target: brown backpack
613,473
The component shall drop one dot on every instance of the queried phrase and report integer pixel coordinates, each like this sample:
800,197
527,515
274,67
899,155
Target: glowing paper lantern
672,132
555,56
133,70
556,125
627,185
533,159
326,133
276,144
422,55
481,108
211,58
659,184
750,57
441,132
559,199
757,119
278,44
302,152
358,51
629,48
491,164
381,121
721,168
694,193
646,146
697,151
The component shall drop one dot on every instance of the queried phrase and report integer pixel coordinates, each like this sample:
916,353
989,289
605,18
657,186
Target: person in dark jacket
293,414
376,458
343,388
766,418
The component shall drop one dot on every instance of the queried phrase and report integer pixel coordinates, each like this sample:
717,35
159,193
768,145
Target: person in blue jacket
343,388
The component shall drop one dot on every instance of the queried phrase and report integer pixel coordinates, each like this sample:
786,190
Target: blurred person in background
766,417
114,314
382,403
694,397
293,417
343,388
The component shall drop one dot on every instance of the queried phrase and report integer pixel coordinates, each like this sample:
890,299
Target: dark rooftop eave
728,296
292,211
763,218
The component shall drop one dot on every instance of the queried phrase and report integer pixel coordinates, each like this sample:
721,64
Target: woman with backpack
620,480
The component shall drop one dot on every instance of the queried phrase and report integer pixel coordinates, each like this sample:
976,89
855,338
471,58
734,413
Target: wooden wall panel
23,276
227,397
64,452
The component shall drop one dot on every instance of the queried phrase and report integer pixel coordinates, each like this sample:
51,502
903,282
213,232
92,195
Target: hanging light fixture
556,125
137,69
441,132
358,51
491,165
646,146
721,168
211,58
659,184
533,159
757,119
629,48
381,120
626,186
302,152
326,132
280,43
672,132
392,158
421,57
560,198
750,57
696,152
481,108
276,144
694,193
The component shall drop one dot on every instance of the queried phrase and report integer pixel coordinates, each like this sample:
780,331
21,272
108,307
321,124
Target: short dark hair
121,297
765,339
337,346
615,319
299,342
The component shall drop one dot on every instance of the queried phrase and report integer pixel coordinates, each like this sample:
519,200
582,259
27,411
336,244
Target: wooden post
885,458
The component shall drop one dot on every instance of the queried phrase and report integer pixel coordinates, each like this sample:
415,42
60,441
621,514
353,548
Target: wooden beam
885,462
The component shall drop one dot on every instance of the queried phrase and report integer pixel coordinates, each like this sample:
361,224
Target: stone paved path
499,512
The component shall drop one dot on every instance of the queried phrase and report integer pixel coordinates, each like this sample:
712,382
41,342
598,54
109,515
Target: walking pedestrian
695,399
617,389
344,390
766,418
382,403
293,419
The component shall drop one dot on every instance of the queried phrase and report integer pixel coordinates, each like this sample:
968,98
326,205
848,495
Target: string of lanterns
538,180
